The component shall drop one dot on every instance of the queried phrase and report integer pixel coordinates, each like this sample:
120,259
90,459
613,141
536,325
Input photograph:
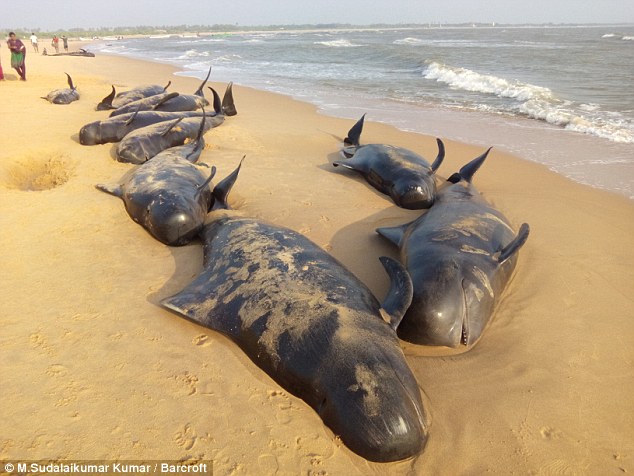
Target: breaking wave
337,44
536,102
410,41
467,80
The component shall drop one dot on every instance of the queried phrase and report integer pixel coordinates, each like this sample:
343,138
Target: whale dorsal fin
354,134
394,234
221,191
440,157
112,189
106,103
171,126
399,297
468,171
228,106
199,91
514,246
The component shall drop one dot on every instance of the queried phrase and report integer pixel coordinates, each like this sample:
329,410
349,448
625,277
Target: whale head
371,399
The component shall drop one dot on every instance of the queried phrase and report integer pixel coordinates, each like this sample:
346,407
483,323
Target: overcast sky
65,14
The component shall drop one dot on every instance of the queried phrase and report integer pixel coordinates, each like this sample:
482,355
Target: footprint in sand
549,433
56,370
186,437
189,381
202,340
268,464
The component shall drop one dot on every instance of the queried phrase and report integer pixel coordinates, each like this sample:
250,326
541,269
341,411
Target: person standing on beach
55,44
34,43
18,54
65,40
1,73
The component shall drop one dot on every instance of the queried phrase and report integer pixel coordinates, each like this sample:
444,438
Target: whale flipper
514,246
399,297
164,100
393,234
171,126
203,185
112,189
440,157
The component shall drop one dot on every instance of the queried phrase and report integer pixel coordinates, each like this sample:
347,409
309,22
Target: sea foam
468,80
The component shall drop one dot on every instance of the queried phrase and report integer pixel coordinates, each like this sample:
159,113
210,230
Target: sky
66,14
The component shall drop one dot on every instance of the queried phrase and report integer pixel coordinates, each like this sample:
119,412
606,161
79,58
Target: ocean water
560,96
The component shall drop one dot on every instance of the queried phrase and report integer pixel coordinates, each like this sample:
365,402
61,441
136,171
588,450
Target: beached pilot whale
400,173
168,102
311,325
114,129
169,196
460,255
81,52
116,100
63,96
143,144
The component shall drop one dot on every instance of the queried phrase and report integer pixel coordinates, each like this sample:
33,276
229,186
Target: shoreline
95,369
598,161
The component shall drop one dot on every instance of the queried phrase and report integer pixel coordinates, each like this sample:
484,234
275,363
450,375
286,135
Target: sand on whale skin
92,368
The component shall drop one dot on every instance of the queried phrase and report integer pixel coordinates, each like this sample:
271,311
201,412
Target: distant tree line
219,28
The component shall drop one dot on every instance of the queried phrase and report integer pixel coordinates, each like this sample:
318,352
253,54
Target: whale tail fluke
216,101
228,106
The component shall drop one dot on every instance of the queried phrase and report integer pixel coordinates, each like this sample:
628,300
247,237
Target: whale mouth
464,337
415,197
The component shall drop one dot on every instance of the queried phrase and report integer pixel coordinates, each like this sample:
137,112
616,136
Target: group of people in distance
18,52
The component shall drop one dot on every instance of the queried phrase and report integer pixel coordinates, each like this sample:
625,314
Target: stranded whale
460,255
400,173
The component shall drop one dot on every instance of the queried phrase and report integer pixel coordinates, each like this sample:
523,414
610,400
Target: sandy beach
92,368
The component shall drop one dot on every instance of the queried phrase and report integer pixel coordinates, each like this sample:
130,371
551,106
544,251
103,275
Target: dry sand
92,368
